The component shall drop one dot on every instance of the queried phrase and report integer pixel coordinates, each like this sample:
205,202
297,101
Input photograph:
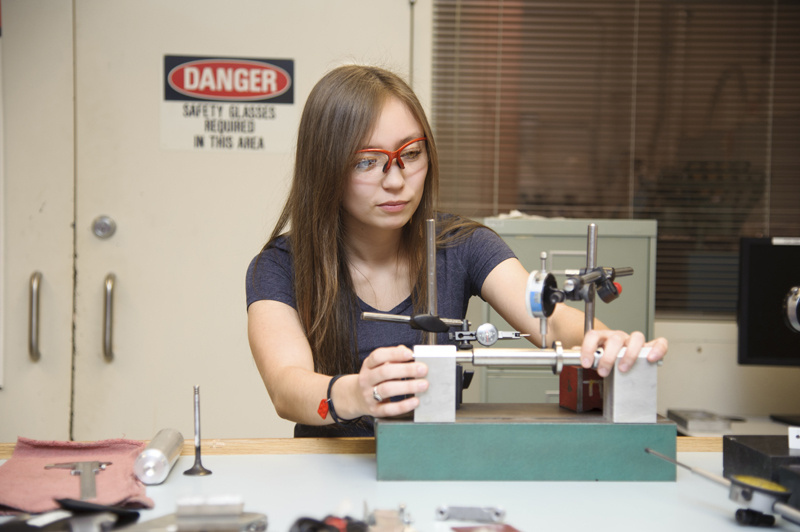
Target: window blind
684,112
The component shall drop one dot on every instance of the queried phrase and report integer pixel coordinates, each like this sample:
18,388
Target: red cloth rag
25,485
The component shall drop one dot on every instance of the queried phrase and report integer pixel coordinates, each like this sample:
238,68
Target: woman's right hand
390,372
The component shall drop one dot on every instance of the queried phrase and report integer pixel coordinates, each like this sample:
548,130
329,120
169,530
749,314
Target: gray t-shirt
460,270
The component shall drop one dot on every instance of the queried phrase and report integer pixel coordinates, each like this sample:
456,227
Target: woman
365,180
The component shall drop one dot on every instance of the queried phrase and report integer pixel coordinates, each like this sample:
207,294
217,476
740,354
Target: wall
701,372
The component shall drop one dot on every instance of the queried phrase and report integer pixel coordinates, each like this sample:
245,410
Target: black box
789,478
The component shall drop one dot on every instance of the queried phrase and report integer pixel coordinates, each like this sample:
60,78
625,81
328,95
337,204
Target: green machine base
523,442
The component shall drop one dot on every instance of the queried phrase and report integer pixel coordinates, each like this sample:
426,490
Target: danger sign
227,104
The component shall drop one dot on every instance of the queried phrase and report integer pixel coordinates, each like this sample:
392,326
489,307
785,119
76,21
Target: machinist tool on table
87,471
760,498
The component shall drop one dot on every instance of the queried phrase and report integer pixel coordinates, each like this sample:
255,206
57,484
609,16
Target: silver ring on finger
376,395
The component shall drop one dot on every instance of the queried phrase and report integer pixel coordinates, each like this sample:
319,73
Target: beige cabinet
38,211
84,123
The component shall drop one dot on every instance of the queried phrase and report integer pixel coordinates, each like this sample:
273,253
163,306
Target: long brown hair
338,118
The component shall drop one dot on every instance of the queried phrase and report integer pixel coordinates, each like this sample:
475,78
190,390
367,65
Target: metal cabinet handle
108,315
33,322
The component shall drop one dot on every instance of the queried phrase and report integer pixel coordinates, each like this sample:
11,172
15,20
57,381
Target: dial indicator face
486,334
758,483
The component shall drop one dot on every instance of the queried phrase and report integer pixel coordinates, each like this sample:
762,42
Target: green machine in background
624,242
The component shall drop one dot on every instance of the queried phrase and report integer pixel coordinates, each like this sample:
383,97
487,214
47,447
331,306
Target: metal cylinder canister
153,465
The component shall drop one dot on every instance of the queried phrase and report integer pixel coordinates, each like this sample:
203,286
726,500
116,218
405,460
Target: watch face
486,334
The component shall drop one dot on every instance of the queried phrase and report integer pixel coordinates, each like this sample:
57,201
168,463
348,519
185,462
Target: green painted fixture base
523,442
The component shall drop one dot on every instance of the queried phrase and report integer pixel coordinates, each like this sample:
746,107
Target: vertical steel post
591,263
430,237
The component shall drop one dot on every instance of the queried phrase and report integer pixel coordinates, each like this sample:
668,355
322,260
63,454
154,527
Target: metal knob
104,227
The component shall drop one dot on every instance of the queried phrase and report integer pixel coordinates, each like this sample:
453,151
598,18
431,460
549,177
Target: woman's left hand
612,343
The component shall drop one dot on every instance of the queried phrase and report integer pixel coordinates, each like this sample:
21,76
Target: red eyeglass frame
393,155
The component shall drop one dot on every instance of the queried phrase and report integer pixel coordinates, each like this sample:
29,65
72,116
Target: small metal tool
200,513
479,514
388,520
87,471
197,469
92,522
154,463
